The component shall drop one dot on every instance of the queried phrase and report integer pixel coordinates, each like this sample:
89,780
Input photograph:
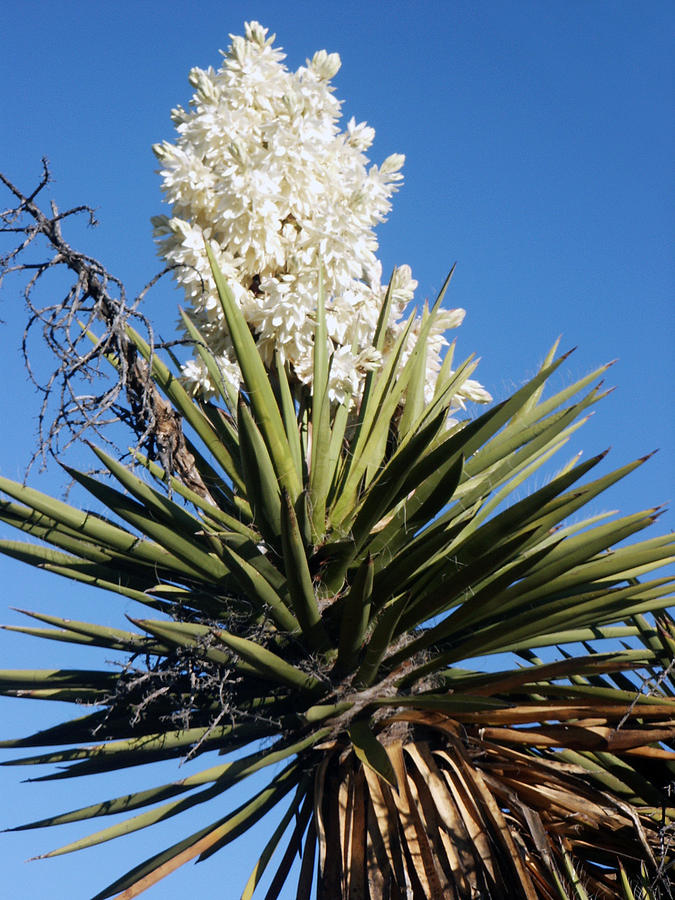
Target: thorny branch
95,298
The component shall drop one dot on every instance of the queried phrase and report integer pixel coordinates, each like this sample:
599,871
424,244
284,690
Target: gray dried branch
95,298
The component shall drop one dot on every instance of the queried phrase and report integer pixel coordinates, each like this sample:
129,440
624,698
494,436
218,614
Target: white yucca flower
261,170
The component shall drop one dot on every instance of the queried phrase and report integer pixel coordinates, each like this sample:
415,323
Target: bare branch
71,328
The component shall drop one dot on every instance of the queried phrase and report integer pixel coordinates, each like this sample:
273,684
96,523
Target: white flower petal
261,170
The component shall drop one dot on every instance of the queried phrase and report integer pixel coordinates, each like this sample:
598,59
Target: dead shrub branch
86,333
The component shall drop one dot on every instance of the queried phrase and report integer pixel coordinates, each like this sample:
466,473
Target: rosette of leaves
321,613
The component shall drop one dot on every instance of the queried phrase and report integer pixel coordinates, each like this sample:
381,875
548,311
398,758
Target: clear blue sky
539,140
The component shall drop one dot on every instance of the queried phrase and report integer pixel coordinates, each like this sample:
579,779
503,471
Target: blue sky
539,141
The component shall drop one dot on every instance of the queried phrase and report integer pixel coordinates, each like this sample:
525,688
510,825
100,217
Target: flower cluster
261,170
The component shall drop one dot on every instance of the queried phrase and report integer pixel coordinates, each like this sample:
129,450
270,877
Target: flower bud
325,65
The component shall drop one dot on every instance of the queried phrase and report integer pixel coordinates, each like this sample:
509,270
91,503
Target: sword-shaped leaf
90,526
227,392
293,811
298,576
380,398
213,513
259,590
379,641
355,617
114,638
269,665
170,385
131,585
289,415
262,486
452,704
219,777
195,561
319,469
391,486
175,516
429,498
215,835
371,752
263,402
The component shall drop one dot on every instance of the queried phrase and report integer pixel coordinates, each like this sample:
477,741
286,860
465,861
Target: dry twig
95,298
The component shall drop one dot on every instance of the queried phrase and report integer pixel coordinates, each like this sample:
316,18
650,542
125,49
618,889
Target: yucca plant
340,582
320,607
